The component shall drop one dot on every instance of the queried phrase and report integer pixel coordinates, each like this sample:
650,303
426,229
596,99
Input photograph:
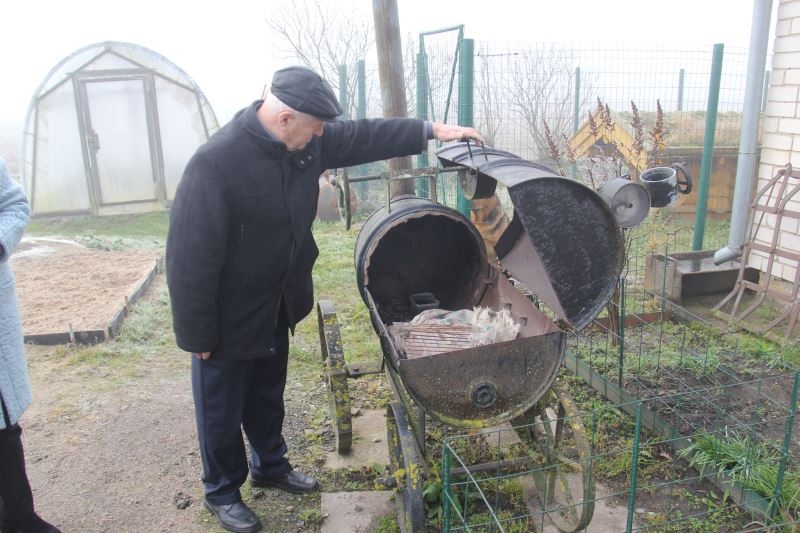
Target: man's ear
284,117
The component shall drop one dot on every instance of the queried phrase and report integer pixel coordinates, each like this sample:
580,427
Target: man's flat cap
304,90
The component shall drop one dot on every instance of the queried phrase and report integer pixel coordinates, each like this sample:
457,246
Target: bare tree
410,72
541,88
322,35
489,101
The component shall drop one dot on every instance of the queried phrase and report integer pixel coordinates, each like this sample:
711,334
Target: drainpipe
748,144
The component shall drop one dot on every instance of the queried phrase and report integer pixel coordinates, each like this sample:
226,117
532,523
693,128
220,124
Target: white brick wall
781,140
789,10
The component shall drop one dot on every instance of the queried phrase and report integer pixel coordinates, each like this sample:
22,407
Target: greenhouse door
120,140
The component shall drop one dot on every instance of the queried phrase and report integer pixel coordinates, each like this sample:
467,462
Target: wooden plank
93,336
115,325
144,284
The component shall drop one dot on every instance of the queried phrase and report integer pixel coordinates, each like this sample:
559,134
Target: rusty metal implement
563,245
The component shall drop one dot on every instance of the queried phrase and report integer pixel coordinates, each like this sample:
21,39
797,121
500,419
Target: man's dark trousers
233,395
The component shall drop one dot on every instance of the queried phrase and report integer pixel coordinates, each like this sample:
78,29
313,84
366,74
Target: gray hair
276,105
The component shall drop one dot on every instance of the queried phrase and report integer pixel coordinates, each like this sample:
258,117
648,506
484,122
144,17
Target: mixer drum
563,245
418,247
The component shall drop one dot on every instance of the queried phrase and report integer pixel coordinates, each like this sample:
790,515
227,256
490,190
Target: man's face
298,131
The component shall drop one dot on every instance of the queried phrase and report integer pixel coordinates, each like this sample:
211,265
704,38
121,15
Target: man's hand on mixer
450,132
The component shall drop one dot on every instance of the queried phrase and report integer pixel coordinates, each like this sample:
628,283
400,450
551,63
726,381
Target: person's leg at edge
15,490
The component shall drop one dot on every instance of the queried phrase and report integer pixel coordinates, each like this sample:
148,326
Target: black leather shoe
34,524
236,517
294,482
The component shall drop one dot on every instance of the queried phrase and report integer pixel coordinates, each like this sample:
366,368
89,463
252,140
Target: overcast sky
225,46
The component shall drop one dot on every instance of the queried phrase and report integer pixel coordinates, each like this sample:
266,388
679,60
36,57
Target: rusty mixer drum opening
419,247
423,249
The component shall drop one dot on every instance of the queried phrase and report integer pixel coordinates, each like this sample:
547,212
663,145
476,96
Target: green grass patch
754,464
131,226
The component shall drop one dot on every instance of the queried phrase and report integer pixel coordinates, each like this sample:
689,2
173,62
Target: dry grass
687,128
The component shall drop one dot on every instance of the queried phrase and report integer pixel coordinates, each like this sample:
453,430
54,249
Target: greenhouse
109,131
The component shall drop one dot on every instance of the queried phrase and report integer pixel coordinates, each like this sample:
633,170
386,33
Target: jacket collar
248,119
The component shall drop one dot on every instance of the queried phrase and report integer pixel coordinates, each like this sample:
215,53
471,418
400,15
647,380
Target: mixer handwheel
568,457
564,479
343,193
407,470
335,375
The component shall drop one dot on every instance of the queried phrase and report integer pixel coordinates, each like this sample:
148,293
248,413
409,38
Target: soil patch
62,285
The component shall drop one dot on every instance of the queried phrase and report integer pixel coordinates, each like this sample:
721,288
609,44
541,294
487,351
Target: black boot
15,491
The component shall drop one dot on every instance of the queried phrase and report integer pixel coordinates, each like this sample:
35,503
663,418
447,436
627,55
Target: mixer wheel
335,375
407,470
564,480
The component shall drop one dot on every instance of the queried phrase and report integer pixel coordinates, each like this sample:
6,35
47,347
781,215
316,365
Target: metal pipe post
634,468
361,108
466,75
361,112
708,148
787,439
576,113
343,100
621,334
681,78
748,142
422,113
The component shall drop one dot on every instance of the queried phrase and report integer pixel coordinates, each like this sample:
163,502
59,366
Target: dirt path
105,457
111,444
114,449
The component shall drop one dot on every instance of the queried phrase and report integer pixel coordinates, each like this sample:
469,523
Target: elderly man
239,259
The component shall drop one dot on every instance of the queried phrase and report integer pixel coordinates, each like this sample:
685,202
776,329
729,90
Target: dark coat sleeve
200,221
353,142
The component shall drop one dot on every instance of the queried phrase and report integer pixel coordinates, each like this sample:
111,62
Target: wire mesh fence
708,443
518,88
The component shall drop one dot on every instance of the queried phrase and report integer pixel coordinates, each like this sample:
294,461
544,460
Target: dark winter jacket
240,238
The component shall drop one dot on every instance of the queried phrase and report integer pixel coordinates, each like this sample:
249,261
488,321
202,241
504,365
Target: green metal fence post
446,486
634,468
576,113
361,109
576,116
422,113
787,442
708,148
361,112
466,75
343,100
621,330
